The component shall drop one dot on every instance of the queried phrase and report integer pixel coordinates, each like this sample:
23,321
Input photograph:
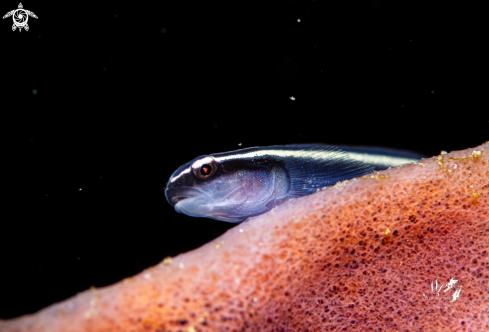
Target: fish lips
181,197
197,203
176,194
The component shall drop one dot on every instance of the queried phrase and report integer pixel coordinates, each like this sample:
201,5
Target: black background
127,92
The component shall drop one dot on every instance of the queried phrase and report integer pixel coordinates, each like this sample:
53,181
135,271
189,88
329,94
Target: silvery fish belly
233,186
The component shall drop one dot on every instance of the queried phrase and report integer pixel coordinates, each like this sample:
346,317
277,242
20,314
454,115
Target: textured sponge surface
405,249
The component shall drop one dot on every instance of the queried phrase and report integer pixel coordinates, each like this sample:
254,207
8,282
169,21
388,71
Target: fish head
227,190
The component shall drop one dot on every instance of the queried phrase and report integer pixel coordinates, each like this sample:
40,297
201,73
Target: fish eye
204,167
205,170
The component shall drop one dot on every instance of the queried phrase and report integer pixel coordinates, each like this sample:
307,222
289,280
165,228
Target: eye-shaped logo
20,17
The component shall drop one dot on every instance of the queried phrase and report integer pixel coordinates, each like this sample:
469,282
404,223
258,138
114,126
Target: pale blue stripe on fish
233,186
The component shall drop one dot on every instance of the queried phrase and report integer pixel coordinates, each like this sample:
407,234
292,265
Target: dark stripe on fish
233,186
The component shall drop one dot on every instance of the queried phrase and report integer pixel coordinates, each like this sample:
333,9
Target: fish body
233,186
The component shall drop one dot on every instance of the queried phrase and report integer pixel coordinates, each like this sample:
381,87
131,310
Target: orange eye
205,170
204,167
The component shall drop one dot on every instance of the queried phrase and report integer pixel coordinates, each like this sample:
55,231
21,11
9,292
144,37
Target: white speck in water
292,98
298,20
455,167
239,144
180,265
241,230
147,276
80,189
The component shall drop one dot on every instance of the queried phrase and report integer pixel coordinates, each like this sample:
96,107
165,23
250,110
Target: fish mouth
175,195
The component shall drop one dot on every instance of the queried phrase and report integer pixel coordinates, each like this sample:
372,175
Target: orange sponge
405,249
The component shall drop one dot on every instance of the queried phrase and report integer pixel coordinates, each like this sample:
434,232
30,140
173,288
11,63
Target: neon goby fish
405,249
233,186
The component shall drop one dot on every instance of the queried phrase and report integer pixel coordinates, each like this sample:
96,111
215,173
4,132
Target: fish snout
175,193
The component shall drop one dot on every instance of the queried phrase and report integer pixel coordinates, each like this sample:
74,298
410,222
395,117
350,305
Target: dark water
99,107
